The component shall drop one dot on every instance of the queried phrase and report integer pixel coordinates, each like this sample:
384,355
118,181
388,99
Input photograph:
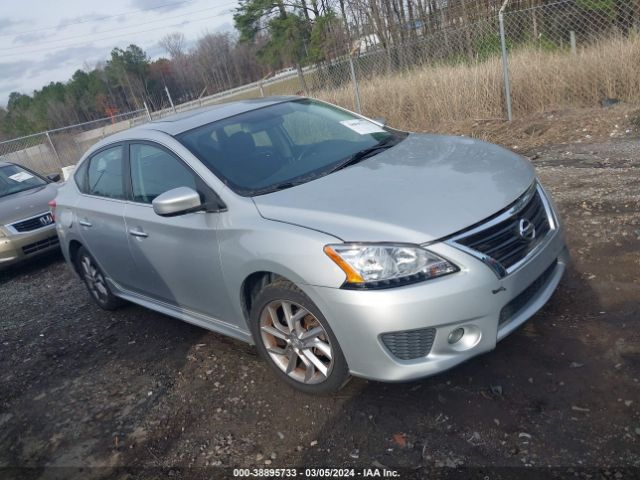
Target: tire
95,281
309,359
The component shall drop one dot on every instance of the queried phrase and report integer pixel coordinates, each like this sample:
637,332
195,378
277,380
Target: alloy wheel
296,342
94,279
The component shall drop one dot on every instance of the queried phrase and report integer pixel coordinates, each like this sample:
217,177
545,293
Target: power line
85,35
114,36
99,19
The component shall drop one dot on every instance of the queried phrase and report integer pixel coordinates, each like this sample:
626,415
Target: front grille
33,223
41,245
410,344
515,306
503,242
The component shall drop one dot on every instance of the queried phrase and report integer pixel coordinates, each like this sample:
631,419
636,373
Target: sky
44,41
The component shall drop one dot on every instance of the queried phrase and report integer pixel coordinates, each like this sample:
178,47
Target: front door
176,258
100,214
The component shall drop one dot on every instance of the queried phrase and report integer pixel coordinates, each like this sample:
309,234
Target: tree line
269,35
129,79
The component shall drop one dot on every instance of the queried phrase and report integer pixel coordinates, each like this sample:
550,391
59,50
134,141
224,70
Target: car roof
184,121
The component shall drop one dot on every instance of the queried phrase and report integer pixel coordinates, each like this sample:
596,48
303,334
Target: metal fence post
574,46
303,82
166,89
147,110
356,89
53,147
505,62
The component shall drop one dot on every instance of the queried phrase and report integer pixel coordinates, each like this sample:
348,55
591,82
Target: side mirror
54,177
176,202
380,120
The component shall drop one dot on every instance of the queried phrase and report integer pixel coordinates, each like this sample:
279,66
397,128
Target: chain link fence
51,151
566,53
447,42
571,52
287,83
582,53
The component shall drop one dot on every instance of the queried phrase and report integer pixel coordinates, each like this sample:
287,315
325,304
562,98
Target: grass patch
542,79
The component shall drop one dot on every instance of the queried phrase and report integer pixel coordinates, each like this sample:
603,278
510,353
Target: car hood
423,189
29,203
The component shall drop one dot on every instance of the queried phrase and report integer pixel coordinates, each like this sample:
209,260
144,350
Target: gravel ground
84,387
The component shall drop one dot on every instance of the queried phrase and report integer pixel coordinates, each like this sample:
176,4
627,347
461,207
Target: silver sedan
27,227
335,244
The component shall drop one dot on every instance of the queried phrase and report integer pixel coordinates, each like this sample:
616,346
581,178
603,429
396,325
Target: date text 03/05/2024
315,472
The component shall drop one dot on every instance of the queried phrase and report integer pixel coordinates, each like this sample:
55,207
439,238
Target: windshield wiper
388,142
275,188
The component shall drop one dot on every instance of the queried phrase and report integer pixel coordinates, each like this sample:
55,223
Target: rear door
100,213
176,258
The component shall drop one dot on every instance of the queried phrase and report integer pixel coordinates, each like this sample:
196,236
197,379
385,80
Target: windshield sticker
363,127
20,176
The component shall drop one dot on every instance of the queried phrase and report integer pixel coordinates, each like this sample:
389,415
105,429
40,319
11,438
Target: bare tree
174,43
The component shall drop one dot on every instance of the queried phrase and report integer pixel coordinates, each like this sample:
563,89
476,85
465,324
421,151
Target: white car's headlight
386,265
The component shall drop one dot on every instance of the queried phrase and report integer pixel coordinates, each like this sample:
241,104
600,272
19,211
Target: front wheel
294,337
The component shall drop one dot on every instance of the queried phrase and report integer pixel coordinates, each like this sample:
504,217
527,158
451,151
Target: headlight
386,265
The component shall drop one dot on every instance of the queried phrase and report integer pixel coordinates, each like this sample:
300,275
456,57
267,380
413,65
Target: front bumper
472,299
17,247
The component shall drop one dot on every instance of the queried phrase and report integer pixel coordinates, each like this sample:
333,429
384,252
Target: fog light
456,335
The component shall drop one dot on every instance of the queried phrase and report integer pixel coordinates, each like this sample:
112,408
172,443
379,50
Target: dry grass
541,80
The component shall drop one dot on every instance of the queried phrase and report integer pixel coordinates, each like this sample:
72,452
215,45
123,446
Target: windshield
283,145
14,179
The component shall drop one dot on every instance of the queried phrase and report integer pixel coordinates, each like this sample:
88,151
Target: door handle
138,233
85,223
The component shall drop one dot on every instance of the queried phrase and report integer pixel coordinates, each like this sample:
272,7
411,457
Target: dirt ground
87,388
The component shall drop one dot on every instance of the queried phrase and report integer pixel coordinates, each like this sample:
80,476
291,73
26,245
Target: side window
80,176
155,171
105,174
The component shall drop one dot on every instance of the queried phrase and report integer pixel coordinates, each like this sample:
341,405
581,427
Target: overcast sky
47,40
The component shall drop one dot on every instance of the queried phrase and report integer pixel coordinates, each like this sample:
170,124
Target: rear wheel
95,281
294,337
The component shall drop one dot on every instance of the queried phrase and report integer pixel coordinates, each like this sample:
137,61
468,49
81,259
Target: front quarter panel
250,244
